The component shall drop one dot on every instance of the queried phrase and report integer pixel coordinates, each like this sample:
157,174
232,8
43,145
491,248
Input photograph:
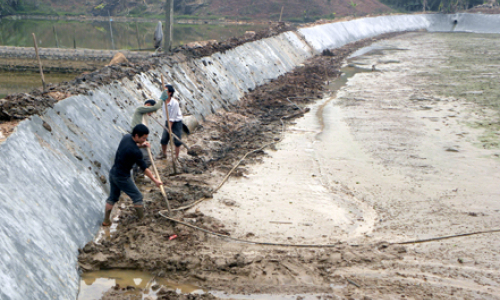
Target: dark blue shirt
127,155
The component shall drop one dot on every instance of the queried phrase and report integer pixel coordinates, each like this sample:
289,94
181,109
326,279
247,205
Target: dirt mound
485,9
20,106
178,252
23,105
223,46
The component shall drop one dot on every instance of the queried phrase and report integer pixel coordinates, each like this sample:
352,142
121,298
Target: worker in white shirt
175,122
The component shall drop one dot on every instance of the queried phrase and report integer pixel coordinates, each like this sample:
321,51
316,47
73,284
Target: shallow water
267,296
94,284
335,85
108,35
25,82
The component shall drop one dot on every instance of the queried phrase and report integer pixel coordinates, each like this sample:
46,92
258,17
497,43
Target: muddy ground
215,263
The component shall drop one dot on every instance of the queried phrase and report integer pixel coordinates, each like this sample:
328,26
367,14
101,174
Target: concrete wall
51,197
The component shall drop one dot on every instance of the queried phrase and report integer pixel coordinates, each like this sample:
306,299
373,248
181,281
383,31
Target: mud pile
231,43
485,9
182,254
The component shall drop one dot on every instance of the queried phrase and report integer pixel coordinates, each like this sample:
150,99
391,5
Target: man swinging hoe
127,155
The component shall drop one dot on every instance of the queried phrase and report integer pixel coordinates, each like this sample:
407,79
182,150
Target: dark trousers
176,129
123,184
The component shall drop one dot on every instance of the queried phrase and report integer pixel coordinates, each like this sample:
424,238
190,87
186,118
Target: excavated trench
242,108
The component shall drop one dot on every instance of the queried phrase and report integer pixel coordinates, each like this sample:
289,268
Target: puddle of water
267,296
355,66
372,50
94,284
23,82
109,35
334,86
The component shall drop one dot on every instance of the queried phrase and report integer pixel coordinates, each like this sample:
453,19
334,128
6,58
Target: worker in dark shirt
127,155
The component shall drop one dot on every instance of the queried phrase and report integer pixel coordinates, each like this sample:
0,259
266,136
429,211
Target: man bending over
127,155
148,108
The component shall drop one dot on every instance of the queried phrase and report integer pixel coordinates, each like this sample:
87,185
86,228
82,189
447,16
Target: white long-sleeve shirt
174,111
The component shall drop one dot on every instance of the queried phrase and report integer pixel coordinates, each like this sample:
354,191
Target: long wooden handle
158,176
155,170
39,61
175,136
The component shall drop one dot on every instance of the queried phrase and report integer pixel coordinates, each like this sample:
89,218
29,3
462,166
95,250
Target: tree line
445,6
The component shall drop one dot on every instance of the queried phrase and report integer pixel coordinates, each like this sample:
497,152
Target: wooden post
281,12
137,33
169,25
162,189
111,32
39,62
55,36
170,133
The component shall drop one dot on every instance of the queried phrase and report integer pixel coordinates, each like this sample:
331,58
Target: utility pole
169,25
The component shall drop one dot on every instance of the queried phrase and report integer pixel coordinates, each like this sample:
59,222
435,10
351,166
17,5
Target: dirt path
387,160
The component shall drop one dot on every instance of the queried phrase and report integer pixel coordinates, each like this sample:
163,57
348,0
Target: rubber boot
139,210
107,220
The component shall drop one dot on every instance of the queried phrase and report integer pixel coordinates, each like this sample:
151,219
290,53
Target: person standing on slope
174,123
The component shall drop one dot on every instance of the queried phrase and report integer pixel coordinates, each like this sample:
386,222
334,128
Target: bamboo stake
169,25
111,32
39,61
145,121
137,33
55,36
172,147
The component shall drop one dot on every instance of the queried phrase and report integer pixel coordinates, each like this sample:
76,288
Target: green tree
432,5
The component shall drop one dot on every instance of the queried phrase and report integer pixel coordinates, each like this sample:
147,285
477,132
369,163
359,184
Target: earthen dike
60,60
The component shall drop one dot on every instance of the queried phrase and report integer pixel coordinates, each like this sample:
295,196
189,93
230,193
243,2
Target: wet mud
185,255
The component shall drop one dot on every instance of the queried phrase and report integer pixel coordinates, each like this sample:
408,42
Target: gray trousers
120,184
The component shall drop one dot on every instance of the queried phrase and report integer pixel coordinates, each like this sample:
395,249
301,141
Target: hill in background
249,10
294,9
